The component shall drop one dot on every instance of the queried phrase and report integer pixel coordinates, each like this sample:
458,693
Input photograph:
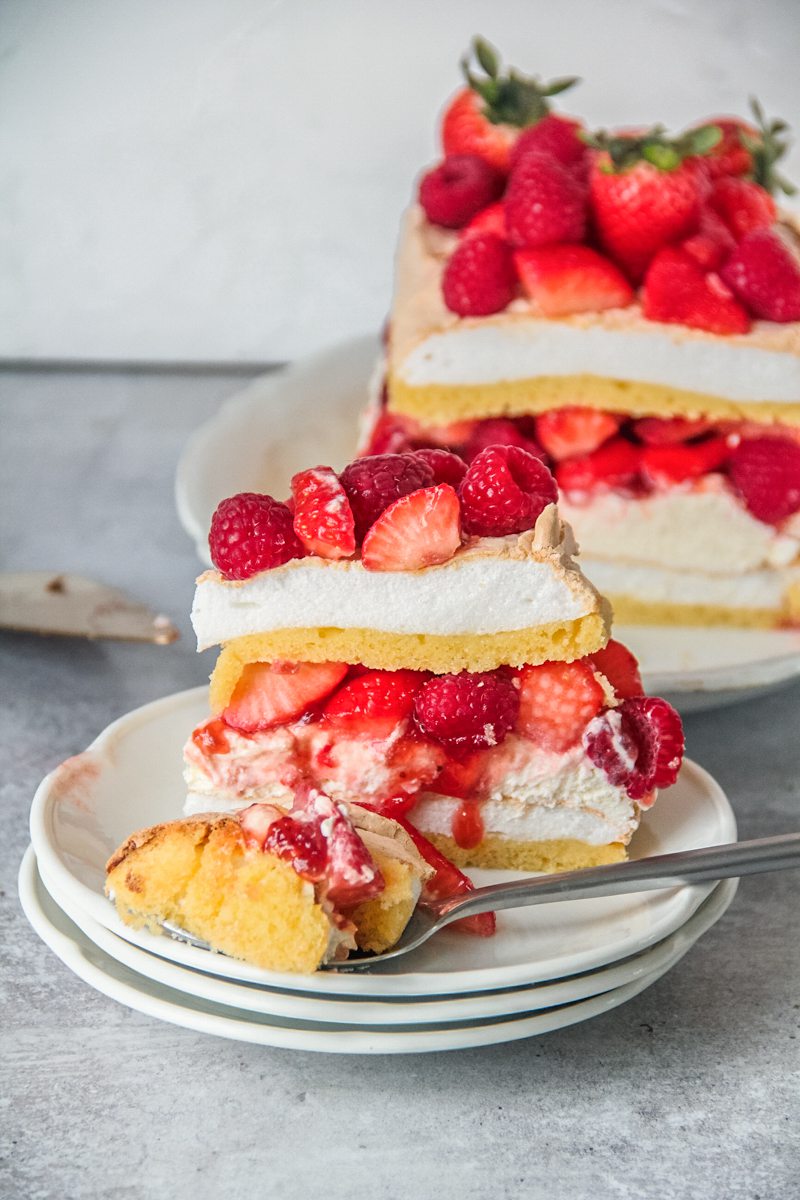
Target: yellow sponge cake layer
561,641
554,854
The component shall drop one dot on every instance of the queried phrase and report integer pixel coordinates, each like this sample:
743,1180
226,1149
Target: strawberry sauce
468,827
212,737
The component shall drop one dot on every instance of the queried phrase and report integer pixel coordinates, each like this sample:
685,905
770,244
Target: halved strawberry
418,530
447,882
666,431
491,219
570,278
557,700
323,519
614,466
742,205
270,694
374,704
666,465
620,668
461,777
256,821
567,432
711,243
677,291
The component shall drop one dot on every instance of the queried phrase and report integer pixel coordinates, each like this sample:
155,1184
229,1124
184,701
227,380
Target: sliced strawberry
300,843
399,805
557,701
615,466
620,668
390,435
663,466
711,243
677,291
567,432
571,279
491,219
374,704
270,694
764,272
742,205
499,431
766,473
418,530
323,519
666,431
462,776
256,821
352,875
447,882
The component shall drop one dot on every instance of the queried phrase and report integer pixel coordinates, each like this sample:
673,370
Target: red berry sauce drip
212,738
301,844
468,827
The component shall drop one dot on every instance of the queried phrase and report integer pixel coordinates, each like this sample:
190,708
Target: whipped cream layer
766,589
491,585
703,528
432,346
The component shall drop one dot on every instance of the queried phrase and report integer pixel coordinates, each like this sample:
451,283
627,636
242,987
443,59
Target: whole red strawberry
504,491
730,156
479,278
544,203
679,292
467,711
556,136
251,533
764,272
458,188
742,205
766,473
375,482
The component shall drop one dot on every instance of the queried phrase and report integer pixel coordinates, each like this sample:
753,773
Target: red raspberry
766,473
373,483
743,206
499,431
504,491
764,272
639,745
468,711
446,466
557,136
462,184
545,203
480,278
251,533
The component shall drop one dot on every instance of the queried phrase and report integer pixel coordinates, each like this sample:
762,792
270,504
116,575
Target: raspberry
764,272
499,431
504,491
639,745
766,473
446,466
558,137
373,483
251,533
467,711
455,191
545,203
480,278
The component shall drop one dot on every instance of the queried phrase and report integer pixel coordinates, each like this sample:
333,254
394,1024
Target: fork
643,874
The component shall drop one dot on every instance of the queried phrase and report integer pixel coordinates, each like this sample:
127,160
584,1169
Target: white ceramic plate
131,777
257,998
145,995
309,413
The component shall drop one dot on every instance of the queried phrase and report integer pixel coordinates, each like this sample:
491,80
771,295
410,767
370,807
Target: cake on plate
415,635
627,307
285,891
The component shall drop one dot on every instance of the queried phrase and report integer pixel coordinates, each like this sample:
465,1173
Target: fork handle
659,871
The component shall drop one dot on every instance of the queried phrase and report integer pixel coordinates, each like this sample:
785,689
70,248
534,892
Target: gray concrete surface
690,1090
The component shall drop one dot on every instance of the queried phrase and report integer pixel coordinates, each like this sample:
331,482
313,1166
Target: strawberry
766,473
488,220
479,278
644,194
570,279
351,876
557,136
764,272
485,117
544,203
462,776
752,150
666,431
255,822
615,466
711,243
742,205
678,292
447,882
418,530
453,192
323,519
557,701
663,466
620,668
499,431
567,432
375,703
390,435
270,694
729,156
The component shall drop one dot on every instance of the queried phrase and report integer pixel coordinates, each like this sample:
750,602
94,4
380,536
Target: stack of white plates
547,967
